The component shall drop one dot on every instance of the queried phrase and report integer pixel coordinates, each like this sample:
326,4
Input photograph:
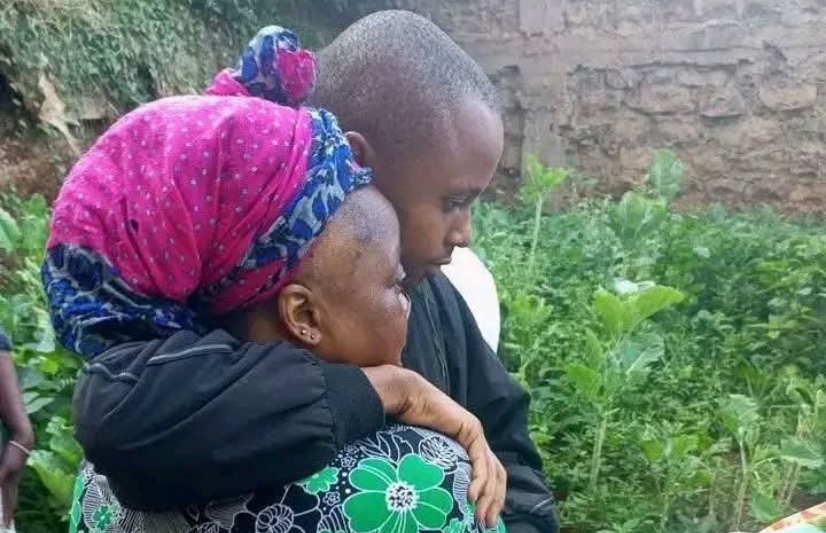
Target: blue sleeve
5,342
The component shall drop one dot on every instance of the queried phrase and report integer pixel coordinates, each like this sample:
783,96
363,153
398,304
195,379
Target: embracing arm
502,406
191,418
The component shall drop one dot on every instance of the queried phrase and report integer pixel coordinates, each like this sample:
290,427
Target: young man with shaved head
423,115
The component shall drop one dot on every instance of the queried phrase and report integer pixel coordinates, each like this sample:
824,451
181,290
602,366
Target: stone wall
736,87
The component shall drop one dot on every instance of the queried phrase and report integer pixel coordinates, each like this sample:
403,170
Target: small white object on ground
475,283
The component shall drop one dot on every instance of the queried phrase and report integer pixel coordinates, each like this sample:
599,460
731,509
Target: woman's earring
312,336
303,331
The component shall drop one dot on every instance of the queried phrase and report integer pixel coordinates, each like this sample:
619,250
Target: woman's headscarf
196,206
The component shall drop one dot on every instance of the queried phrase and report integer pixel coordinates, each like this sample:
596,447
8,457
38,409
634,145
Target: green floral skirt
399,480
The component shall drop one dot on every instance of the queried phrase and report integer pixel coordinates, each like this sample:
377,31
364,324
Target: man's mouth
443,261
434,267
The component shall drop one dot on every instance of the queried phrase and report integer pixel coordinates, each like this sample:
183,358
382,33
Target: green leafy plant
751,324
47,373
541,183
666,176
620,360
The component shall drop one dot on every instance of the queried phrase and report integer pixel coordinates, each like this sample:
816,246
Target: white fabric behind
476,285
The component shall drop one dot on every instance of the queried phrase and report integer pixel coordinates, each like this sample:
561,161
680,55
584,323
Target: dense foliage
709,417
673,358
131,51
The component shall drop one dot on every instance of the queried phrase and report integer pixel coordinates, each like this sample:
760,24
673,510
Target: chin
413,278
433,271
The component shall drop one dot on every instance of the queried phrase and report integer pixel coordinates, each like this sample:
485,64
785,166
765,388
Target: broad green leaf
739,413
649,302
611,310
665,176
57,480
586,380
653,450
9,231
65,446
29,377
636,215
682,445
637,354
35,403
764,509
805,453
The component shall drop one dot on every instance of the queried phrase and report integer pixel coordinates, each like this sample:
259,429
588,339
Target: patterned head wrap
196,206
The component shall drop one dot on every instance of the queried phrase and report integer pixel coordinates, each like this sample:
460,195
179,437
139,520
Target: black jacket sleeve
501,404
171,422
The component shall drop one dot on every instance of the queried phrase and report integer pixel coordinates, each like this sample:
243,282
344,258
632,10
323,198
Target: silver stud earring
303,331
312,336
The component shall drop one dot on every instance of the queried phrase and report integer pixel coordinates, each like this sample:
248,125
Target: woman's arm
20,435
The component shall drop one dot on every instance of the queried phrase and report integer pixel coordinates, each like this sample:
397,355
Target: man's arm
502,406
191,418
188,419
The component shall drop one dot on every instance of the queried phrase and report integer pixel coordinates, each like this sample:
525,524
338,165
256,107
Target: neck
256,325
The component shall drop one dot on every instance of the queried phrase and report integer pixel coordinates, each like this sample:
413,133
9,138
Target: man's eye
452,204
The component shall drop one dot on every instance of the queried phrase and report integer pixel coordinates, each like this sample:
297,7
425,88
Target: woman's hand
413,400
12,463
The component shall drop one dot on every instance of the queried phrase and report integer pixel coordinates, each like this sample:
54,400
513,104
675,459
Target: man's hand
413,400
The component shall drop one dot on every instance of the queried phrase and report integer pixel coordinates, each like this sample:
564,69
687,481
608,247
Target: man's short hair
397,79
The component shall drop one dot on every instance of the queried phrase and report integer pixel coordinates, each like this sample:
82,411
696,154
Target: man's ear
299,314
363,152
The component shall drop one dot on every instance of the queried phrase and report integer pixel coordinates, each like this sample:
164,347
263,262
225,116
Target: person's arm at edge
12,411
20,433
502,406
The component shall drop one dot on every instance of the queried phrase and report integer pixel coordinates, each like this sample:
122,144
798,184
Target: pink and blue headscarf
195,206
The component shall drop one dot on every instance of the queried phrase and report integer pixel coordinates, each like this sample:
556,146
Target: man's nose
461,234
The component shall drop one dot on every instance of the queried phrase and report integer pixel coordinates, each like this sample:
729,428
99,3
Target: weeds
714,432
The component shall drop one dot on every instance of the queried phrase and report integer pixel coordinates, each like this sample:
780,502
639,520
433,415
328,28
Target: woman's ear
362,150
300,314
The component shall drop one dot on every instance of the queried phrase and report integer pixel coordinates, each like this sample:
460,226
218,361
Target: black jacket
190,418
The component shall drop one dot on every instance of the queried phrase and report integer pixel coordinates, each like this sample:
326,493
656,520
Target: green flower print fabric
399,480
